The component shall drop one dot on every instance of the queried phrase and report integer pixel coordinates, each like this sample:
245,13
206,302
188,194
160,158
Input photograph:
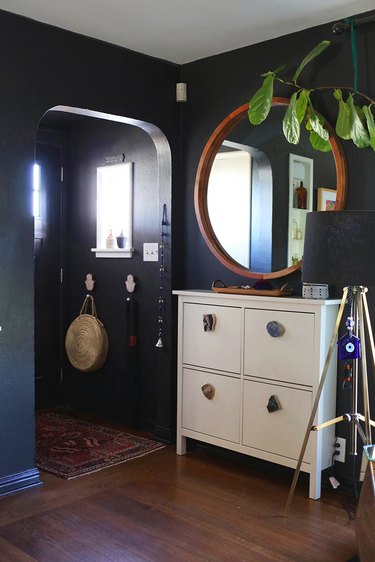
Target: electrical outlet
341,449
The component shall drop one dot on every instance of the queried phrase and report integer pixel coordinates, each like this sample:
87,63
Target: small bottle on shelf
294,229
301,196
295,197
110,240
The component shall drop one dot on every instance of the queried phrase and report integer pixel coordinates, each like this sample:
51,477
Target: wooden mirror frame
201,186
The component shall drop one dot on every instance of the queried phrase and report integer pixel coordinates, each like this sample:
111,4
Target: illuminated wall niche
114,215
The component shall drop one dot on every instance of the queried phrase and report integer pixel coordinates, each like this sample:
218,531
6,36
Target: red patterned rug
70,447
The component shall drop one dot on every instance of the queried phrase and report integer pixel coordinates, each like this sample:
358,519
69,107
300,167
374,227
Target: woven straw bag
86,340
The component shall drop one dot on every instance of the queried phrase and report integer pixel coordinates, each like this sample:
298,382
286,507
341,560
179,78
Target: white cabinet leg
181,445
315,484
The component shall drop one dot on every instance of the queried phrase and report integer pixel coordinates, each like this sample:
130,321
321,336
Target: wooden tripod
361,319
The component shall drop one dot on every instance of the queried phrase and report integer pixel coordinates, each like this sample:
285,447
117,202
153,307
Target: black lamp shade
339,248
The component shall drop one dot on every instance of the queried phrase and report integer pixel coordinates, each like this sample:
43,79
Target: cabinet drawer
219,417
289,357
280,432
219,349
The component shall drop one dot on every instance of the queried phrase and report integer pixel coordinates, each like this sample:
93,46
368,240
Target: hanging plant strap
353,40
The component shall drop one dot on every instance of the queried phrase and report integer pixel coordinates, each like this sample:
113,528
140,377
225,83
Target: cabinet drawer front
288,357
219,349
219,417
280,432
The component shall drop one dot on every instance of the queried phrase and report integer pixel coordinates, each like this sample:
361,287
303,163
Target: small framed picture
326,199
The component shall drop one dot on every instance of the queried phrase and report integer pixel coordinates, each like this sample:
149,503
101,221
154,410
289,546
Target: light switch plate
150,251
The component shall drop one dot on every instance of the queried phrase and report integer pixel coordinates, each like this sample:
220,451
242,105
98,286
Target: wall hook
130,283
89,282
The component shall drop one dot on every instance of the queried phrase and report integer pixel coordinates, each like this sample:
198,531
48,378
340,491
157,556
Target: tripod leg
362,418
369,330
358,326
366,400
316,401
360,430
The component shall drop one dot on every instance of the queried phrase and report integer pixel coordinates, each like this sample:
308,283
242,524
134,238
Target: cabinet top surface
295,300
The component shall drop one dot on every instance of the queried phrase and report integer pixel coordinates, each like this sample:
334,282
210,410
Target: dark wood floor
162,507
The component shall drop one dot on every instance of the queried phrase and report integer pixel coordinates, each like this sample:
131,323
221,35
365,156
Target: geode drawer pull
208,390
209,322
275,329
273,404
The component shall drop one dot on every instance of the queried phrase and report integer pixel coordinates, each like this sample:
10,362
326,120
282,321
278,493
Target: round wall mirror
246,192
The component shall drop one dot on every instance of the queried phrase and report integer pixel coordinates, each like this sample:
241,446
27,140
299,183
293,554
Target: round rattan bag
86,340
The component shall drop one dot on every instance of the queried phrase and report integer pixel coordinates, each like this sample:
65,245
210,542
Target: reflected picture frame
326,199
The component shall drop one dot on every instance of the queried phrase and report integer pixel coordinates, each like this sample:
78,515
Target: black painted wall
126,385
42,67
219,84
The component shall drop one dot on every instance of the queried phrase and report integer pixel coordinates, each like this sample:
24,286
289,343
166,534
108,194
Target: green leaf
312,55
301,104
343,117
316,122
318,143
278,70
360,114
261,102
370,125
337,93
358,133
308,125
291,126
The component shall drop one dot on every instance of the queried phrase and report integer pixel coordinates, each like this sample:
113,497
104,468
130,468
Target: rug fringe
115,464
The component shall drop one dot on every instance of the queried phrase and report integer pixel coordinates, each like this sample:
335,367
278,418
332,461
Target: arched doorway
98,393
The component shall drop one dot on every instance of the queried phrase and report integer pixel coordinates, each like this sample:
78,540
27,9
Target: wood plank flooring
205,506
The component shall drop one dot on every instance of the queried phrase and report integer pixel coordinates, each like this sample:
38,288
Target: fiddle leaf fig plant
353,122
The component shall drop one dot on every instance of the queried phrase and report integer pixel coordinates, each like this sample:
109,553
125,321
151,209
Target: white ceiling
182,31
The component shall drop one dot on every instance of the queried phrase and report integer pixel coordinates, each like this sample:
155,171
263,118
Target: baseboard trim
162,434
19,481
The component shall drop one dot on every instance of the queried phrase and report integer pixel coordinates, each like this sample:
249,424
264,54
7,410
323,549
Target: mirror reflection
242,222
252,193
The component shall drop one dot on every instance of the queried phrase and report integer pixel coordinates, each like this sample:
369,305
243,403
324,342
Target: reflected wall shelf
113,252
300,170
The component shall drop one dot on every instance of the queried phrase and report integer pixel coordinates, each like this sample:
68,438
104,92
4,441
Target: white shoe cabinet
249,370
